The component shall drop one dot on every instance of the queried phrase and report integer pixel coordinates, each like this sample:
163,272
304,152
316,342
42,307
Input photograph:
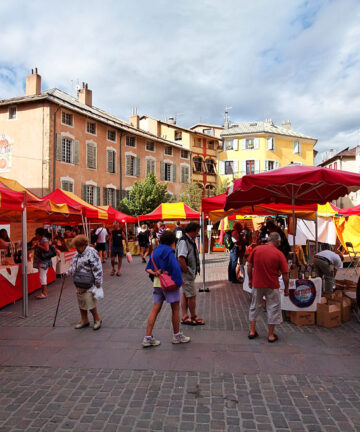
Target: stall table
11,282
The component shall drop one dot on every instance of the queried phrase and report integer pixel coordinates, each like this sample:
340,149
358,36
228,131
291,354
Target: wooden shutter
75,144
276,164
256,143
235,144
137,172
59,147
267,165
108,161
235,166
173,172
243,144
128,165
243,167
118,197
105,196
97,196
222,167
257,166
83,192
162,171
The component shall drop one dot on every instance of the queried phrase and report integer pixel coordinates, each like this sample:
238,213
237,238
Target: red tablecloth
10,293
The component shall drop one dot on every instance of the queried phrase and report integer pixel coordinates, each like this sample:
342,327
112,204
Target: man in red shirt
265,264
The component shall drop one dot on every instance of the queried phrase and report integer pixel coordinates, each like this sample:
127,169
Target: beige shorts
273,305
86,301
43,276
188,285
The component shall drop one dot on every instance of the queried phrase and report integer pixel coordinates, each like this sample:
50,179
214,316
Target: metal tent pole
126,229
203,252
316,233
294,227
25,303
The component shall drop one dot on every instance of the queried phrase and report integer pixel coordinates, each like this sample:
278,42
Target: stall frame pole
25,302
203,249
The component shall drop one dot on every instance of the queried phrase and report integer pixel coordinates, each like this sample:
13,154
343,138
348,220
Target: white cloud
274,59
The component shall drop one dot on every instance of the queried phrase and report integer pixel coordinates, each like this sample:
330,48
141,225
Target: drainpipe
120,171
55,143
341,198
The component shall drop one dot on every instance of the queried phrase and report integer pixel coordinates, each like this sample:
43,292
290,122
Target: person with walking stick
87,273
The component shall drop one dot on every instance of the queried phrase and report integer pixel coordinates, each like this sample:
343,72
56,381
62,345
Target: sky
294,60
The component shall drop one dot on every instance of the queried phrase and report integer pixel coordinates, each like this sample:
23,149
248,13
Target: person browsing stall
326,263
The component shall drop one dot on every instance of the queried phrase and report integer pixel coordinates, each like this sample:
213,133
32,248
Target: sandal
186,321
118,274
253,336
197,321
112,273
273,340
41,296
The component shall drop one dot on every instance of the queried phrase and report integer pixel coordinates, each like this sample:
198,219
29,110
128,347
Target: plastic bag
98,293
129,257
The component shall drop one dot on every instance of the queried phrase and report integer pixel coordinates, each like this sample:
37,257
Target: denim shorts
169,296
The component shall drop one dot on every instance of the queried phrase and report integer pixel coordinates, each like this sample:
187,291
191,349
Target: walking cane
57,308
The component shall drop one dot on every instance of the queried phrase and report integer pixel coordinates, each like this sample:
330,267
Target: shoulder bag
167,284
83,280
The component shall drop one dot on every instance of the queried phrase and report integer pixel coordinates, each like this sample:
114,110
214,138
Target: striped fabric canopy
171,211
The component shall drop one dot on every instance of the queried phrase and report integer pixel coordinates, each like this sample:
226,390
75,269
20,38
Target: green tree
224,184
145,196
192,196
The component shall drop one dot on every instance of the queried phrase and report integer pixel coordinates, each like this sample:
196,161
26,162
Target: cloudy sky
294,60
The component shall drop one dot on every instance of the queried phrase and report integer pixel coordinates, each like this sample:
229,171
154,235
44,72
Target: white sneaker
180,338
150,342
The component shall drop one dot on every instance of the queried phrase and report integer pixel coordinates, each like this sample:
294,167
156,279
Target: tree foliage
192,196
145,196
224,184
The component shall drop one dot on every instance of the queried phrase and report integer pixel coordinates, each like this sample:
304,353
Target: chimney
286,124
134,118
172,121
226,120
269,122
85,95
33,83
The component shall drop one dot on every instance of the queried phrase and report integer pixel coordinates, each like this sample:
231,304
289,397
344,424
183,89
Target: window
150,166
271,165
178,135
297,147
111,135
150,146
211,145
12,113
67,118
132,166
185,154
229,167
197,164
110,161
210,166
168,171
270,143
210,190
109,196
249,143
91,155
168,150
91,128
207,131
231,145
130,141
335,165
185,174
91,194
67,150
250,167
67,185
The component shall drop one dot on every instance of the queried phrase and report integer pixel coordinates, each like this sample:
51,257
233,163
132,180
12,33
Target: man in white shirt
101,238
326,263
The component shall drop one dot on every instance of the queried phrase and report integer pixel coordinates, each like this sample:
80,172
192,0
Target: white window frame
151,158
12,108
188,154
270,147
71,142
110,149
63,112
92,184
170,171
128,138
94,145
178,132
298,146
107,135
89,122
184,165
276,164
231,164
133,155
111,187
67,180
153,143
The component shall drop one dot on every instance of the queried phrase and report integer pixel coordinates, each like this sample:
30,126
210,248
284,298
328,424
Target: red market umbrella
293,184
118,216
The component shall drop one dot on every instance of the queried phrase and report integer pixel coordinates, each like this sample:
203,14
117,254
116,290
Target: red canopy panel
294,183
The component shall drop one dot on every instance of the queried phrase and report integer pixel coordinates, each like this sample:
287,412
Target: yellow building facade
255,147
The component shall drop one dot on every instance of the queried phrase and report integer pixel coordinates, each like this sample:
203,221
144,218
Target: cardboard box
328,315
345,305
302,318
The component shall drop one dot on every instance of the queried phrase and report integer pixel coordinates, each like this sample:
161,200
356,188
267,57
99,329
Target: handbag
167,284
83,280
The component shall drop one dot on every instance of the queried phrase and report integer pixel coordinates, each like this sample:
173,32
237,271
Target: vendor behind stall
4,239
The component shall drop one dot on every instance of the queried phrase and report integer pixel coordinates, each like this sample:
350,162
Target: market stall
171,211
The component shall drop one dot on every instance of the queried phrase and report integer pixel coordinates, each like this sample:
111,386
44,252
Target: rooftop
256,127
343,153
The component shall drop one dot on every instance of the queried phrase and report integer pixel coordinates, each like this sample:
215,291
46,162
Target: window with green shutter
91,155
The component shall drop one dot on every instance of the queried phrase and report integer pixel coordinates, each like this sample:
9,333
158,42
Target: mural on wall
5,153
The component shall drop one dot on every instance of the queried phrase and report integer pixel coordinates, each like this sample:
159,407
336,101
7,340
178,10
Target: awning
114,214
171,211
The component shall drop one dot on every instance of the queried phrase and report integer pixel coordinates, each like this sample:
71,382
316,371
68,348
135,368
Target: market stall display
171,211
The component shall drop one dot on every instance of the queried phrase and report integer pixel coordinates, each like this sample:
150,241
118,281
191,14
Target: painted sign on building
5,153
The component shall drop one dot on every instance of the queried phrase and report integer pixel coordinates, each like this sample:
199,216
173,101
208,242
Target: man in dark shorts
143,238
117,248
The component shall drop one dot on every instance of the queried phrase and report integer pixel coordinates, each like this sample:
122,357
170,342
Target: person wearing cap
326,263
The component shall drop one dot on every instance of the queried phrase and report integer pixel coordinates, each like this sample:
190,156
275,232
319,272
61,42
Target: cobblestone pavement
61,379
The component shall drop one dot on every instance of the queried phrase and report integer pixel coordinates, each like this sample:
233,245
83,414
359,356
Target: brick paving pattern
66,380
